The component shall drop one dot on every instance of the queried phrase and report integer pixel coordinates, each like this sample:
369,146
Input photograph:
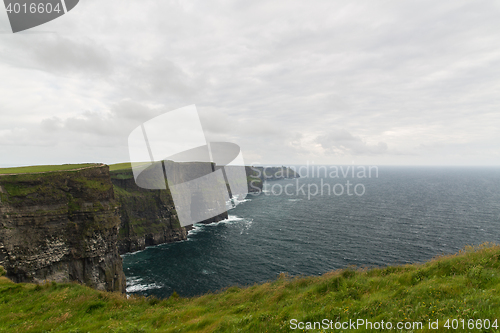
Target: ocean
395,215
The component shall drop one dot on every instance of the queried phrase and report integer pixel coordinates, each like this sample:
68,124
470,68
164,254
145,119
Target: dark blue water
405,215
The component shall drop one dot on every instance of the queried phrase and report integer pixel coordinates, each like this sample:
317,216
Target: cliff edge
61,226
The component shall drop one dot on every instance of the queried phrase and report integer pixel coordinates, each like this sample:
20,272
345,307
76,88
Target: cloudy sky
373,82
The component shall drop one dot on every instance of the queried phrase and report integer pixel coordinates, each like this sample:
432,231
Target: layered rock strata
61,226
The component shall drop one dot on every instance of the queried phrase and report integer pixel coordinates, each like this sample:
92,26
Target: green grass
120,166
94,184
462,286
44,168
121,192
64,167
124,166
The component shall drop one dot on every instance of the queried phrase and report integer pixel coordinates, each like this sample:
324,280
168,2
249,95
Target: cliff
71,225
148,217
61,226
254,179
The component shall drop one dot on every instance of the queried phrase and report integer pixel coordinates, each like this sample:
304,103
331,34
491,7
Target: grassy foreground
462,286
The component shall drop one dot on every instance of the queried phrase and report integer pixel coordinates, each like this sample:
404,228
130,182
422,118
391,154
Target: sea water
399,215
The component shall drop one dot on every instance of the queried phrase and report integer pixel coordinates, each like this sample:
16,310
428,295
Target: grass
51,187
124,166
120,166
462,286
44,168
64,167
121,192
94,184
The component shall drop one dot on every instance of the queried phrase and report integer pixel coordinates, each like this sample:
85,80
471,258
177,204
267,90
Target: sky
290,82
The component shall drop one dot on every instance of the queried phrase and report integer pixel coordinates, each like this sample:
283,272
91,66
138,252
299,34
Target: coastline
456,287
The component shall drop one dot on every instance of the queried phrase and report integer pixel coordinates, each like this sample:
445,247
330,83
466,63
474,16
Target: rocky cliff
61,226
148,217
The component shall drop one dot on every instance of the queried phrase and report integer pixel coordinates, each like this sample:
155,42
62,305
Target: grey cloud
57,54
100,129
29,136
343,142
215,121
274,77
52,124
61,54
160,77
134,112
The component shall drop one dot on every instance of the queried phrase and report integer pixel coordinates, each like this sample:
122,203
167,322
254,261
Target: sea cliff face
148,217
61,226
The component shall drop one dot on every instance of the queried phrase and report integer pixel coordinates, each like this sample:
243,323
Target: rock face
254,179
148,217
61,226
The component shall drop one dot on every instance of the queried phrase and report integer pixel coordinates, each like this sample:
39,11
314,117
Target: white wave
245,224
230,219
132,280
235,201
196,229
141,287
294,199
242,201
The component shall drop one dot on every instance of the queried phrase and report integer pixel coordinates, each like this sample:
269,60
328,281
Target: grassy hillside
44,168
64,167
124,166
462,286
